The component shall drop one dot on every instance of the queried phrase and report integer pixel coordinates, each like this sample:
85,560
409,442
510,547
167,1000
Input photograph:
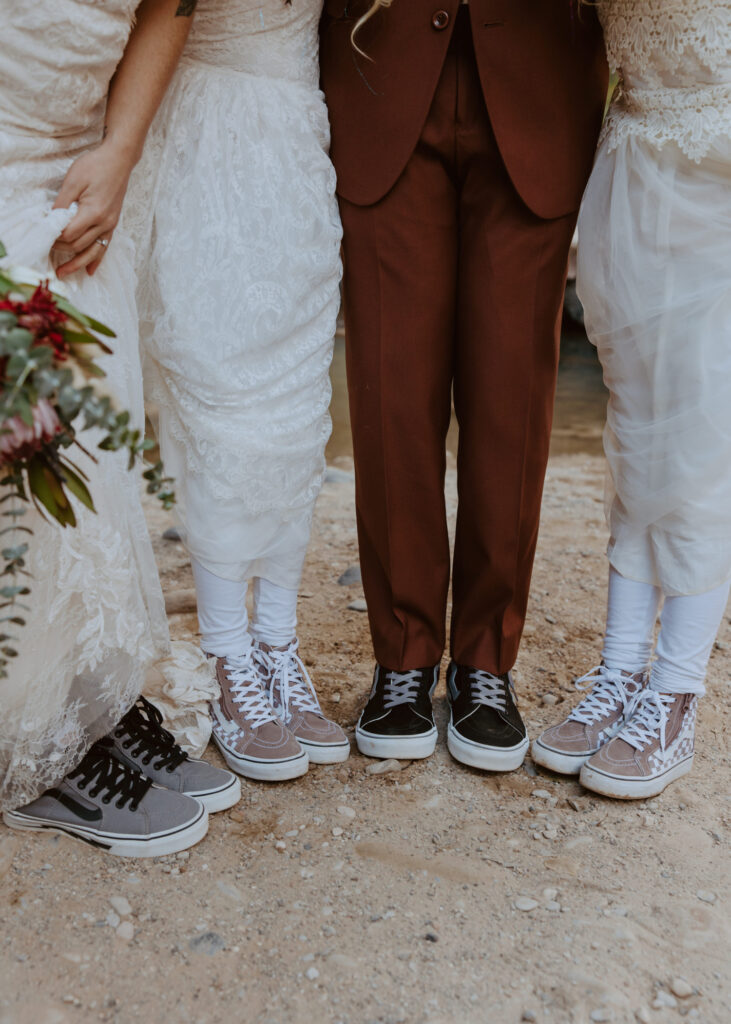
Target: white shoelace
247,691
608,690
289,683
488,690
401,688
649,719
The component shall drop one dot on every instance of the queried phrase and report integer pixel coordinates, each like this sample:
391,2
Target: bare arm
98,180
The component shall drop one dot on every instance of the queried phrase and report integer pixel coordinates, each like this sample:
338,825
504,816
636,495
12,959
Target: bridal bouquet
49,394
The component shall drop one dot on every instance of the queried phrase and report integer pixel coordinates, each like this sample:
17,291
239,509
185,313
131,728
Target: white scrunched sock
274,621
688,627
222,615
632,609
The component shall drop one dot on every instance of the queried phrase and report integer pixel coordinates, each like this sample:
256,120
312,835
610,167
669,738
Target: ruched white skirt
654,275
239,301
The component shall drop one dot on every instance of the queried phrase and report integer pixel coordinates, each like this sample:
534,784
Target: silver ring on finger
101,241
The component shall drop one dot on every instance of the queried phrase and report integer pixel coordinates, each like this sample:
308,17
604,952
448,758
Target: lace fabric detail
674,62
233,206
97,617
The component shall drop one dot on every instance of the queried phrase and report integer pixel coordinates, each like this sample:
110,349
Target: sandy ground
394,899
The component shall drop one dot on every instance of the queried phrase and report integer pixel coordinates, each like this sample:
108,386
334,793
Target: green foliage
48,396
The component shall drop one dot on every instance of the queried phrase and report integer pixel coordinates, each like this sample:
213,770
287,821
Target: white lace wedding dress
654,275
97,618
240,293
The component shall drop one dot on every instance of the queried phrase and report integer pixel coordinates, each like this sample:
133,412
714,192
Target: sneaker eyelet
106,799
170,769
119,806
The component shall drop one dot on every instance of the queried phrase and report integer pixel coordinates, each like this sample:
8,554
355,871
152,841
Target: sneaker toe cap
318,729
567,737
167,811
202,777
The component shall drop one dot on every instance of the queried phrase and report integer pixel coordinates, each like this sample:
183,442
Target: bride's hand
97,181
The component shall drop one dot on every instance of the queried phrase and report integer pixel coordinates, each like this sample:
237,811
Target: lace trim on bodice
656,36
674,62
692,118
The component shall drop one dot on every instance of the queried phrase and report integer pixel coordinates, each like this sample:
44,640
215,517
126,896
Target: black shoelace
142,733
118,779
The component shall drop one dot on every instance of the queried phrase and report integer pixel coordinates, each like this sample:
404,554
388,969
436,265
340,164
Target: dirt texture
429,893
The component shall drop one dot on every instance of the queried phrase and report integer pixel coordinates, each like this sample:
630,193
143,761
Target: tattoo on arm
186,8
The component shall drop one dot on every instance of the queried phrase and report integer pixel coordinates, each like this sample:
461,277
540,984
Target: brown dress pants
451,284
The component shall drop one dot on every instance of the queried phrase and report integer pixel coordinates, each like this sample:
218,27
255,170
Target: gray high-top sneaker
141,742
592,723
653,748
252,739
108,804
293,697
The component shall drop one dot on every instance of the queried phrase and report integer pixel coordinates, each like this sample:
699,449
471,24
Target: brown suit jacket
543,73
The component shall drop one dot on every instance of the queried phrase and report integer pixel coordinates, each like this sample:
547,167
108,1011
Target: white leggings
688,627
224,621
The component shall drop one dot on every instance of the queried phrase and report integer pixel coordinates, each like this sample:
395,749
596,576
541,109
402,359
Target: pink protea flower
18,441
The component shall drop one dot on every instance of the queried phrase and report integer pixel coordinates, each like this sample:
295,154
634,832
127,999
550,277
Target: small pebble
121,905
280,845
337,831
525,903
351,577
346,812
550,894
663,999
706,895
643,1015
541,794
358,606
549,699
601,1015
528,1015
312,974
172,533
125,931
680,988
383,767
113,919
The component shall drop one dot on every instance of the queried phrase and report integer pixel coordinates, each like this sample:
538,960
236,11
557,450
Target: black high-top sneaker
398,720
485,727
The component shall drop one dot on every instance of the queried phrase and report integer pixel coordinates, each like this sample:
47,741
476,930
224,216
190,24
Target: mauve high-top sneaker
593,722
653,748
246,729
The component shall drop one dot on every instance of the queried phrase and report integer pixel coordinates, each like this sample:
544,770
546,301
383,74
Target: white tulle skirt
654,275
239,300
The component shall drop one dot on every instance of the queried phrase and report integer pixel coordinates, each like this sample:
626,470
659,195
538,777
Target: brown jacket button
440,20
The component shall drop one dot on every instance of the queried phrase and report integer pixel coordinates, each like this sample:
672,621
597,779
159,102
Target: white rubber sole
262,770
402,748
489,759
326,753
156,845
564,764
221,799
626,789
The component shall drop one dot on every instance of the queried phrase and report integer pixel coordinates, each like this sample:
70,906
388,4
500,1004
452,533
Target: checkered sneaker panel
682,746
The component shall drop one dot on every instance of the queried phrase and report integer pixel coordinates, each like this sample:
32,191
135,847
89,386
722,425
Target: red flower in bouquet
41,316
18,440
49,394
